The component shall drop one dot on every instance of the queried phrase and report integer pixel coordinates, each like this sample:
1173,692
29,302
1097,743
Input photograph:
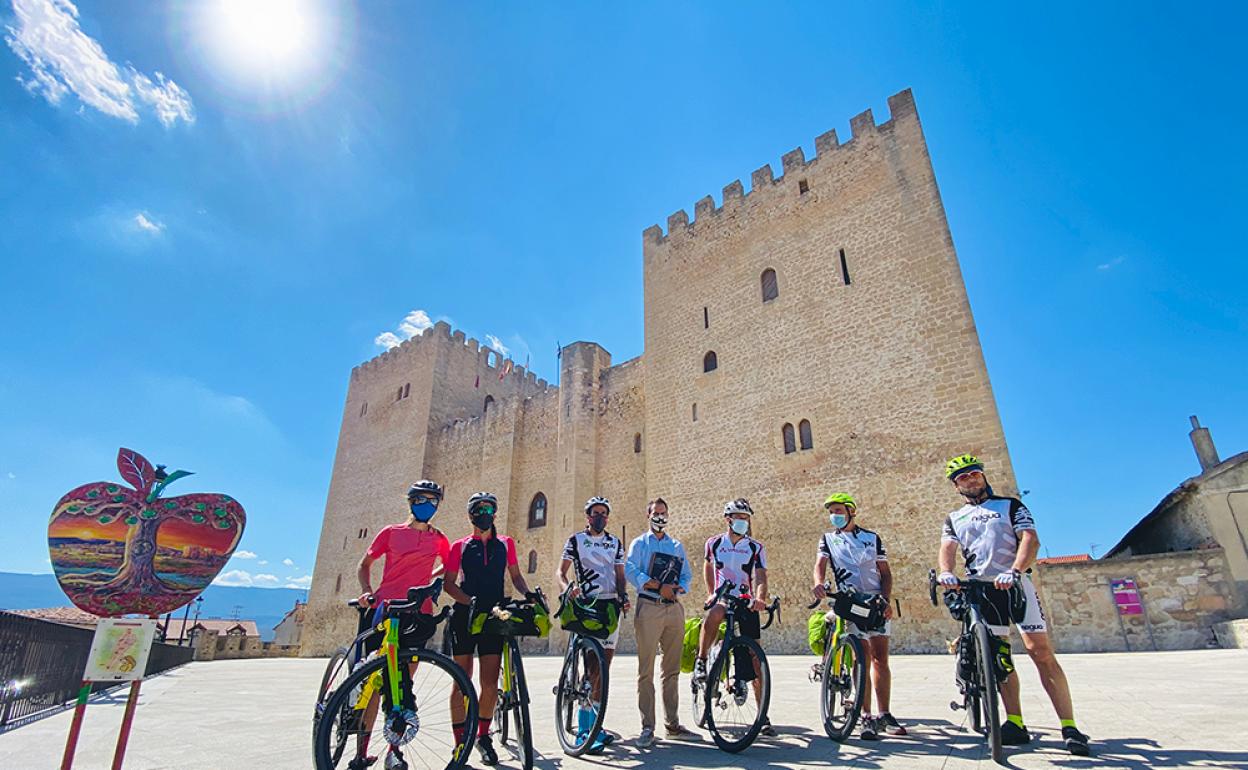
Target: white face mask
839,520
657,523
740,526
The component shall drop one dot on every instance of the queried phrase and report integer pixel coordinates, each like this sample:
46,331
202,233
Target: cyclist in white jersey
733,556
860,564
594,550
998,539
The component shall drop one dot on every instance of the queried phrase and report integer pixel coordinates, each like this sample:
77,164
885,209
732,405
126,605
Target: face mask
424,511
839,520
597,524
657,523
483,521
740,526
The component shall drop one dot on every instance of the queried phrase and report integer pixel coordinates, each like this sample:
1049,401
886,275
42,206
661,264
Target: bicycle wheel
421,731
985,657
575,694
520,705
844,683
738,692
335,672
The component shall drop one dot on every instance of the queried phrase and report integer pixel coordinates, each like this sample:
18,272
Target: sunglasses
423,499
485,508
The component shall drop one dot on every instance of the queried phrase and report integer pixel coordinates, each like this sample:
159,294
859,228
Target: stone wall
886,367
1184,595
211,645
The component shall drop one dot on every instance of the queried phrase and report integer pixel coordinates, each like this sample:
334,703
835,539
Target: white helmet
591,502
740,505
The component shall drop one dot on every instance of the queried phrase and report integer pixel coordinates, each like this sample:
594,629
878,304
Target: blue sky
192,261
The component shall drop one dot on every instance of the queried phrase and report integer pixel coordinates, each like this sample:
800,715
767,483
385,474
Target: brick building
812,334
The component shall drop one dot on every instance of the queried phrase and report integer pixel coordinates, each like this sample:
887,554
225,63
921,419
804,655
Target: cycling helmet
591,502
844,498
962,464
425,486
740,505
481,497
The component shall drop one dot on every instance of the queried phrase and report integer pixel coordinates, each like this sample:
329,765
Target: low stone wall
1184,594
210,645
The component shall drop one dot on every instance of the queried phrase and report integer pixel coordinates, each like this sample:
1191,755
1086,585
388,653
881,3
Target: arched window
771,289
636,443
710,362
488,401
790,446
803,434
532,562
537,511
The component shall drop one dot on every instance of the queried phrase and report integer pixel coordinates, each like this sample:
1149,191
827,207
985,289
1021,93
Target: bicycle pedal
816,672
955,706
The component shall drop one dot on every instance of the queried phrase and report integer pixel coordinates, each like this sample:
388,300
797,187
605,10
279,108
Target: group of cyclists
995,534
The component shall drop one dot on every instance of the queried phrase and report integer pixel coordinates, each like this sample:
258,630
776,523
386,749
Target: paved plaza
1143,710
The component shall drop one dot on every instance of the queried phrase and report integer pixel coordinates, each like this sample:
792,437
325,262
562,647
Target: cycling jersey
482,565
599,554
736,562
853,555
988,534
410,557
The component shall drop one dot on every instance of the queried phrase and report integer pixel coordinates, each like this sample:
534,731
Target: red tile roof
71,616
221,625
1078,557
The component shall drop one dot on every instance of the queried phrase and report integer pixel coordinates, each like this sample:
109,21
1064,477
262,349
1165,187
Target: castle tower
815,335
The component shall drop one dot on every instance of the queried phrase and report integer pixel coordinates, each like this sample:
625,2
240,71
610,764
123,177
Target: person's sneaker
767,729
1076,742
486,747
1013,735
891,725
394,760
646,739
361,763
870,729
679,732
699,670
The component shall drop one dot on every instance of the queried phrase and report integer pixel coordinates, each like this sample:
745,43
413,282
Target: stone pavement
1143,710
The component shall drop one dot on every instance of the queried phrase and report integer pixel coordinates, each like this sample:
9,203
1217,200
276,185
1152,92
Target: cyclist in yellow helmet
998,540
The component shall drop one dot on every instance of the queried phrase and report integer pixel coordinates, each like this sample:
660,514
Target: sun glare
275,34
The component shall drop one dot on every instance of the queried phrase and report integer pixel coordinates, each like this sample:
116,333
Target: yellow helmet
841,497
962,464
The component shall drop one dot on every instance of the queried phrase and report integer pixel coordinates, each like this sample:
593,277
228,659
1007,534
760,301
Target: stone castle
812,335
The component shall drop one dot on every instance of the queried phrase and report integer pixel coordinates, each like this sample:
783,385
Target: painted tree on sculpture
135,587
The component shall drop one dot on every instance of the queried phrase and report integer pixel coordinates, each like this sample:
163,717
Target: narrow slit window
710,362
771,288
407,390
803,433
489,400
364,409
803,187
695,412
706,318
637,443
398,395
844,268
790,444
532,562
338,584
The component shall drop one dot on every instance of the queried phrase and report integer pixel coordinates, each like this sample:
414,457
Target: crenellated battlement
763,181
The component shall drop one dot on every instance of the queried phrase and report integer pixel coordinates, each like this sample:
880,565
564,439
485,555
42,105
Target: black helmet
481,497
427,487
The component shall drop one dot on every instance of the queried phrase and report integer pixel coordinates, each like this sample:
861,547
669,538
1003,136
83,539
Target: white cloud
299,582
497,345
1110,265
262,562
148,224
288,562
11,476
414,323
243,578
244,555
266,581
63,59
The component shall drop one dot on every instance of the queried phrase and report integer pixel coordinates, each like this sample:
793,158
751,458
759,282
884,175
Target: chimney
1202,442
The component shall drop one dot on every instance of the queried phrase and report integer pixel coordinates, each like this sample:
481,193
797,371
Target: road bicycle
584,678
981,664
512,619
731,702
398,698
843,670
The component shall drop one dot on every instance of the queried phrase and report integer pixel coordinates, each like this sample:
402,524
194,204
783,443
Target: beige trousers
658,626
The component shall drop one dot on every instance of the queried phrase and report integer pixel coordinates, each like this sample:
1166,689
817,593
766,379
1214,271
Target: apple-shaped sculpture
103,541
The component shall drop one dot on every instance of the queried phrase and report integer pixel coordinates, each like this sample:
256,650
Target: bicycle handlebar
773,612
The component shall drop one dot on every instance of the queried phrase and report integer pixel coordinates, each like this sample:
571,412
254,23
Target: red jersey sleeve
444,550
455,552
380,543
512,561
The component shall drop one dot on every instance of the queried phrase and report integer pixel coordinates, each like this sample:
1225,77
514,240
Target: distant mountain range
266,606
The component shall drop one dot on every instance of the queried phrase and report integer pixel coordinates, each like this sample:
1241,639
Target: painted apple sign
118,550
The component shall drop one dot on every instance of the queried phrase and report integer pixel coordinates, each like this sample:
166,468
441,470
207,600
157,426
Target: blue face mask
840,520
740,526
424,511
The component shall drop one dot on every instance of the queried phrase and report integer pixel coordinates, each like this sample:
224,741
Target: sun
278,34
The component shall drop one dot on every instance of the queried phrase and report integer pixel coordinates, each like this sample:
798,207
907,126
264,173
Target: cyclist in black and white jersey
998,540
599,554
860,564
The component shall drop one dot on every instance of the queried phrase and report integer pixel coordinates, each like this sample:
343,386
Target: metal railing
41,665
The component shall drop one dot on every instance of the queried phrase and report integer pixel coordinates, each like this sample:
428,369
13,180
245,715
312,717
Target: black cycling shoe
361,763
488,755
1013,735
1076,742
767,729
